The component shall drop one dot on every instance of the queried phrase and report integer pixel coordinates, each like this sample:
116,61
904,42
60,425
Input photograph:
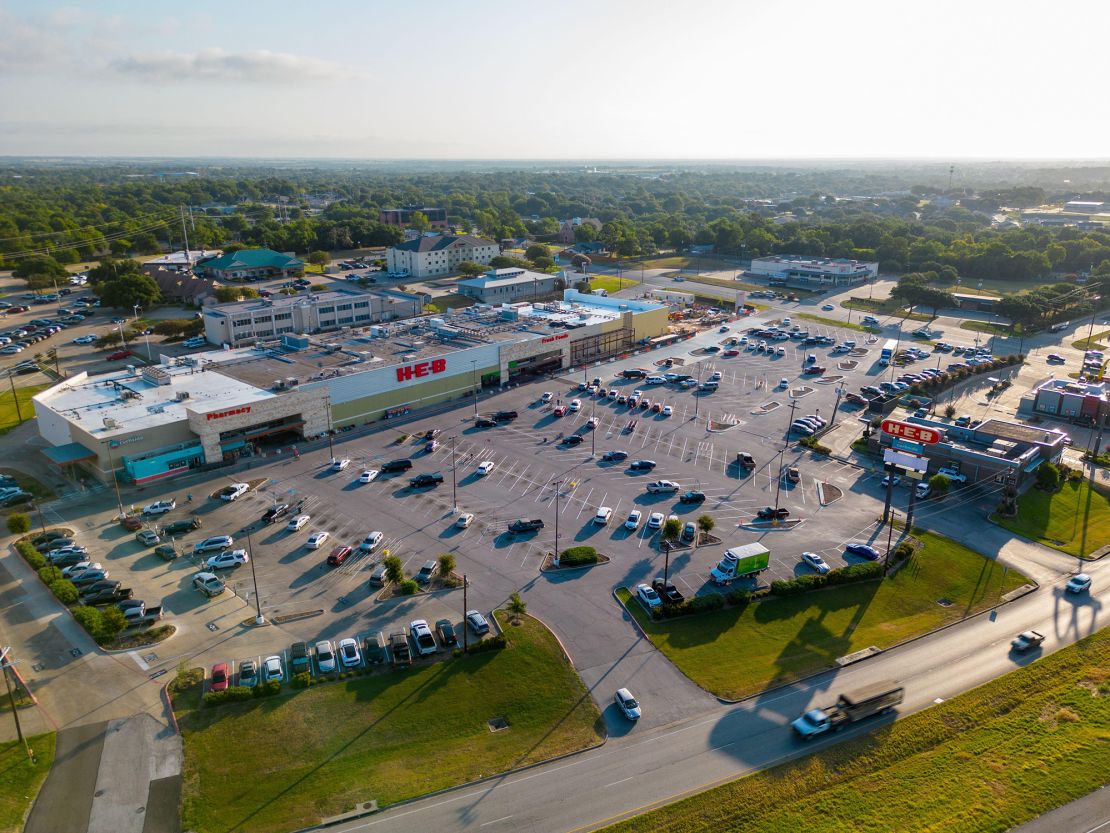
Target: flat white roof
132,403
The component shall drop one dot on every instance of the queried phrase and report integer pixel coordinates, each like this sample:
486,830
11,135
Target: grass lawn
986,760
611,284
1075,520
986,327
832,322
20,780
9,418
1096,342
283,763
737,652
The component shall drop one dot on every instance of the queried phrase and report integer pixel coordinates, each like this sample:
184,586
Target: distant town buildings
182,287
439,254
250,265
403,216
1085,207
499,286
183,261
817,271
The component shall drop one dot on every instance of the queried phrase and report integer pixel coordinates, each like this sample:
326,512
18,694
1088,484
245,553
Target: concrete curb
169,706
116,651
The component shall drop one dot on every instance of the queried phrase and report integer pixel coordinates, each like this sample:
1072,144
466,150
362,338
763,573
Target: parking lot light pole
115,480
15,397
454,479
260,619
697,392
331,446
593,431
5,664
558,488
836,407
474,384
778,483
466,646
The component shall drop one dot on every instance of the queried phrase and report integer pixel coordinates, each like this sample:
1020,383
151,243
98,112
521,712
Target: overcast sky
573,79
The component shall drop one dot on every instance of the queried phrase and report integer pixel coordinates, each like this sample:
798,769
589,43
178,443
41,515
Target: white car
339,465
547,397
816,562
84,339
784,383
646,594
953,474
368,476
325,657
227,560
575,405
660,487
297,522
465,520
891,480
160,507
76,569
316,540
485,467
655,520
716,377
271,669
235,490
603,515
592,423
780,351
627,704
1078,583
371,541
216,542
349,653
923,490
633,522
422,636
667,410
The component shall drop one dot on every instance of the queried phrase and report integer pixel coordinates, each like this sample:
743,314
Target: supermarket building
203,410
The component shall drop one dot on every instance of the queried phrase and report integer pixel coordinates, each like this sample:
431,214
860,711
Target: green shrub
65,590
738,597
231,694
446,564
89,618
578,556
32,556
408,587
699,604
1048,476
301,680
491,643
49,574
394,568
268,689
19,523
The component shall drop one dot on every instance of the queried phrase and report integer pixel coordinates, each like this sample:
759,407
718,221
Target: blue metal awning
65,455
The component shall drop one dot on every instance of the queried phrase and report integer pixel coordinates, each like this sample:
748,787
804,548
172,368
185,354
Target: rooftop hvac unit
181,396
131,369
110,423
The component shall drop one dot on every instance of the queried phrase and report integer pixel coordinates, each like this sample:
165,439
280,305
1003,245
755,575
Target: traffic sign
909,431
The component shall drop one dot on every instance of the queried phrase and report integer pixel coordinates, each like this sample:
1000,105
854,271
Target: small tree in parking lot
446,564
19,523
949,411
706,523
516,607
394,569
939,485
672,528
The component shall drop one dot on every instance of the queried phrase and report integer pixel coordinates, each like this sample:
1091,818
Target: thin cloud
254,67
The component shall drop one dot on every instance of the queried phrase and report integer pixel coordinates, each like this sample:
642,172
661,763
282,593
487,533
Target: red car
730,354
814,370
220,677
119,354
18,309
338,556
560,411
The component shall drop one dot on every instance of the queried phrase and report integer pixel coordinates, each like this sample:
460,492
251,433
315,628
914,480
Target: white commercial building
501,286
439,254
820,271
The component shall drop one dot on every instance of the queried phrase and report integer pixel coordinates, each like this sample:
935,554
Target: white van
656,380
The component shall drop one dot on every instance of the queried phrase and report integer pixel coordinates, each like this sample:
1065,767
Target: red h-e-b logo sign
909,431
413,371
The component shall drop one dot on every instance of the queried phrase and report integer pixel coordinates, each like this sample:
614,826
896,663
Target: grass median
737,652
1097,341
833,322
10,413
1075,519
987,327
20,780
986,760
284,763
611,284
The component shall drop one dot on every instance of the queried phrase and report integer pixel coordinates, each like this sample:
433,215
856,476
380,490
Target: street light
558,488
259,619
454,478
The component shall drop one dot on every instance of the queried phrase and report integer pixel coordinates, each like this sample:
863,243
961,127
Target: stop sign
909,431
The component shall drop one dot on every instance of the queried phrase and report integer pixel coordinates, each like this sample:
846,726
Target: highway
636,771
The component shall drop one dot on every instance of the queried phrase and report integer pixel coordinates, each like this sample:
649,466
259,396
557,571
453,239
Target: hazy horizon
589,82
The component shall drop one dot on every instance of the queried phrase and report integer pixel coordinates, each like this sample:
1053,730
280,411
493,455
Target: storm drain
944,602
496,724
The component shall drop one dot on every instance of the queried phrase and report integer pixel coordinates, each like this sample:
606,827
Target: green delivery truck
741,562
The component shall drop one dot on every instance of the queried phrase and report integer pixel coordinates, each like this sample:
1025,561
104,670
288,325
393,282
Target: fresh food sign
909,431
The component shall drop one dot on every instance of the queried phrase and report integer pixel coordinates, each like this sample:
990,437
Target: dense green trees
127,291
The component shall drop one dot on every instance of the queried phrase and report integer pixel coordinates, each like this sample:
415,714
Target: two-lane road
636,771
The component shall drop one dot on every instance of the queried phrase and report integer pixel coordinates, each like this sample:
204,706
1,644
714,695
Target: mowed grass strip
737,652
283,763
9,414
986,760
20,780
611,284
833,322
986,327
1075,519
1095,342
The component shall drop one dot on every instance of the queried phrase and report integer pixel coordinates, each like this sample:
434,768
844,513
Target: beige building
439,254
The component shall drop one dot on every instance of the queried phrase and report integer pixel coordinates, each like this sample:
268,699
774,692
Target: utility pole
793,405
454,479
15,397
558,488
836,407
666,564
778,483
115,480
5,660
593,431
474,385
697,394
259,619
889,469
466,646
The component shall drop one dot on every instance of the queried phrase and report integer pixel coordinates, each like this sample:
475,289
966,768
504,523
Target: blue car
863,550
